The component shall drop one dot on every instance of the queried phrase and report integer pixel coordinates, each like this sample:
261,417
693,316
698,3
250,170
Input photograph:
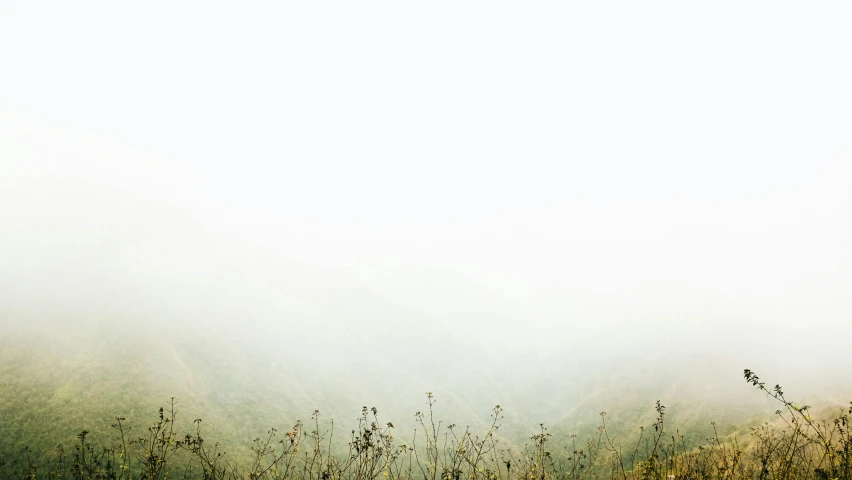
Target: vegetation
797,445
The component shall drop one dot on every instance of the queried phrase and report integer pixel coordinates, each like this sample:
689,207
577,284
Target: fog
455,187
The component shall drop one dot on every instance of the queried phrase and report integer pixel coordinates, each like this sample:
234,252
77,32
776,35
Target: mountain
111,305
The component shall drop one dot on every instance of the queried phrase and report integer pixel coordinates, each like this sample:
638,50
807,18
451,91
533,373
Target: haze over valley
271,210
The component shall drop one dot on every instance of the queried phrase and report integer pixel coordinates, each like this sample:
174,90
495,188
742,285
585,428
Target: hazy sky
619,163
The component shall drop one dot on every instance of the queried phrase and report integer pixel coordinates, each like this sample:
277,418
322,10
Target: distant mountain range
105,316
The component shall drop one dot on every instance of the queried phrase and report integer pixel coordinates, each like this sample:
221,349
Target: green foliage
798,445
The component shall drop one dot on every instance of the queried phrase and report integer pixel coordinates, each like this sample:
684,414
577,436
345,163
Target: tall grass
797,445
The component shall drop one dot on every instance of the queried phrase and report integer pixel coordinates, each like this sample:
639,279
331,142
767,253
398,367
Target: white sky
671,163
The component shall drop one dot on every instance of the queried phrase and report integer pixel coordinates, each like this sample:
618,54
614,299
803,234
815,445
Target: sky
567,167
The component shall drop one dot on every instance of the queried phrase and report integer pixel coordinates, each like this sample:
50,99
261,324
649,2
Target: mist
547,206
